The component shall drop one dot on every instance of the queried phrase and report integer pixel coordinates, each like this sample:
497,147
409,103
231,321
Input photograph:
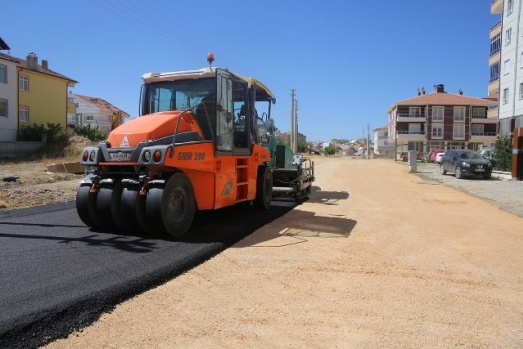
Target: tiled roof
21,63
443,98
101,104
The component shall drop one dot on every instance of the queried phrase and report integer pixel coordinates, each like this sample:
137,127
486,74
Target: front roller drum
178,205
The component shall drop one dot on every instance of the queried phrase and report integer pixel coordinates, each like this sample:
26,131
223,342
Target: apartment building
510,83
381,141
441,120
8,99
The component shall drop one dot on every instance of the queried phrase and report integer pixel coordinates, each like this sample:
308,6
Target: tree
503,154
330,150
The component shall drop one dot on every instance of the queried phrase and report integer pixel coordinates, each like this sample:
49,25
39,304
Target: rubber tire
141,216
263,197
104,201
153,211
487,175
458,173
442,170
124,213
84,200
178,205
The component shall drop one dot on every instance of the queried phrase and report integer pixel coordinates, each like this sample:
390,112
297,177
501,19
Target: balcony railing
497,24
479,116
411,132
483,133
409,115
493,79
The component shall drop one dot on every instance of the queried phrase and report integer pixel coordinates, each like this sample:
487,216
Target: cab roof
262,92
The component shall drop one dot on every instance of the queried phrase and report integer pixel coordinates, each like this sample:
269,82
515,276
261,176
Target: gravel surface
500,190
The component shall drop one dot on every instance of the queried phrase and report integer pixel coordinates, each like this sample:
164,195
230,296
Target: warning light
210,57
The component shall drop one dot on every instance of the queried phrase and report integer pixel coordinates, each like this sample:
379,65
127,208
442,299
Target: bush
92,133
57,137
503,154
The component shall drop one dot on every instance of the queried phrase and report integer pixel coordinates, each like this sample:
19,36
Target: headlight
92,156
464,164
146,156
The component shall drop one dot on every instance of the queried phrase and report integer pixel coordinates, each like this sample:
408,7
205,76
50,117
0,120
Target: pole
292,120
368,141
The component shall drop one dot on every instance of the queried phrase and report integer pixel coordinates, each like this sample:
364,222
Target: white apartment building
8,98
511,78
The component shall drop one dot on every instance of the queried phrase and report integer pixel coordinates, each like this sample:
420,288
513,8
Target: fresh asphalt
57,275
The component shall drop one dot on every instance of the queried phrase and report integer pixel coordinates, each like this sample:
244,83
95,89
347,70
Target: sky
348,61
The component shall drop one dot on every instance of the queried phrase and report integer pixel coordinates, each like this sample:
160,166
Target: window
89,118
459,113
505,96
459,131
3,107
437,131
24,114
495,44
510,6
506,67
24,83
508,36
414,112
3,73
494,72
437,113
477,130
478,113
521,90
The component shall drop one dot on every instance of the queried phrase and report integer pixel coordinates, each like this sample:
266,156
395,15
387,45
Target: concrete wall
19,149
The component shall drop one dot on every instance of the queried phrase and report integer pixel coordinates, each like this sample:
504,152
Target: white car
438,158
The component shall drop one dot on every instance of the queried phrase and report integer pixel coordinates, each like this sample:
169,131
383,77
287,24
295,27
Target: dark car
465,163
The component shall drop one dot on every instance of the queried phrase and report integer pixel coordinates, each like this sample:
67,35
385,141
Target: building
441,120
30,93
511,78
95,112
8,98
381,141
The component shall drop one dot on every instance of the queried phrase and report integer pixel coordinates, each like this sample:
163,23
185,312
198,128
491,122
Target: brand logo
125,143
480,166
120,156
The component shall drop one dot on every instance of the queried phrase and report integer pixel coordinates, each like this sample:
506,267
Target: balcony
411,136
485,137
406,117
494,58
484,119
496,7
493,86
495,29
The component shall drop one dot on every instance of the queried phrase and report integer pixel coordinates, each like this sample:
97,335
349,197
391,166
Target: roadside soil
377,257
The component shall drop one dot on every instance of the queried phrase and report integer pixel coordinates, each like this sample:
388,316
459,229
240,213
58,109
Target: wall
19,149
9,124
46,99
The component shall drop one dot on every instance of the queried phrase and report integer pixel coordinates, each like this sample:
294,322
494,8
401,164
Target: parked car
433,153
487,154
438,157
404,156
465,163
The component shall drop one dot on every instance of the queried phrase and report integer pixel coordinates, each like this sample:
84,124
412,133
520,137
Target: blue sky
348,60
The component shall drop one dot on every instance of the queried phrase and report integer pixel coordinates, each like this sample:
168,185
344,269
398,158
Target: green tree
330,150
503,154
303,147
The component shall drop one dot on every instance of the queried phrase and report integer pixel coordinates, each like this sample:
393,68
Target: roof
101,104
3,45
262,91
21,63
443,98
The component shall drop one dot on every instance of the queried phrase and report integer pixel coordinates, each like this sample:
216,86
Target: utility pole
297,134
368,141
292,119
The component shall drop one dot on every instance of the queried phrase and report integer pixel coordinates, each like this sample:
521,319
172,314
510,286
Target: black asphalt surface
57,275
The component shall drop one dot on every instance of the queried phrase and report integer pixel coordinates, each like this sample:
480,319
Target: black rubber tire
153,211
104,201
141,216
84,199
124,209
178,205
458,173
442,170
263,197
487,175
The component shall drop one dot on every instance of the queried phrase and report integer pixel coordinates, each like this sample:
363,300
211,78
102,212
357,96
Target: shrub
503,154
57,138
92,133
